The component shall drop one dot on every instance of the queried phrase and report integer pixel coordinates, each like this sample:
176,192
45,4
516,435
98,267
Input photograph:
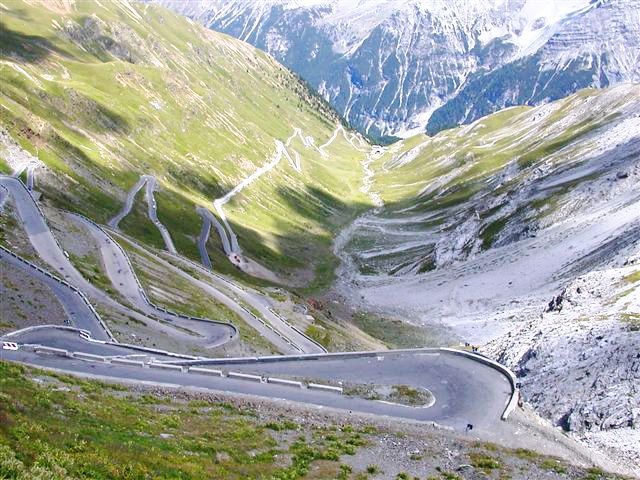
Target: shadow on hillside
88,32
27,48
69,107
301,248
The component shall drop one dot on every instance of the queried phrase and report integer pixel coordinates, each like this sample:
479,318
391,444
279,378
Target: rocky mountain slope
483,220
521,231
578,360
393,67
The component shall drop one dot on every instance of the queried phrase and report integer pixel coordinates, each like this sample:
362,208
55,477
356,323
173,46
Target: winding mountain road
47,247
209,220
232,249
280,333
125,281
78,310
467,388
465,391
152,213
258,302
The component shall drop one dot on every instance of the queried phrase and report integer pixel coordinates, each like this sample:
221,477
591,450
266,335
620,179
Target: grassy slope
56,427
74,429
103,93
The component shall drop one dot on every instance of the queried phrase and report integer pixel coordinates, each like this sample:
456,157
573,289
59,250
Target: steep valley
229,190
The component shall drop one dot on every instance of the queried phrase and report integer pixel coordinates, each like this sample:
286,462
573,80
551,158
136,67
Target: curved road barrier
124,279
126,361
78,339
205,371
165,366
467,391
504,371
52,253
515,392
282,381
89,357
52,351
275,331
327,388
245,376
89,318
474,389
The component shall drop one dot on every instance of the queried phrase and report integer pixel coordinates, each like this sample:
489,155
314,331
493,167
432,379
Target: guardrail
89,357
44,218
513,401
230,284
296,329
76,290
245,376
85,335
42,327
221,278
141,291
245,309
271,327
204,371
52,351
325,388
282,381
128,362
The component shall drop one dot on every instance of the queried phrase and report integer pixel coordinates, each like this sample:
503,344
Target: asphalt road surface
465,391
208,220
150,182
124,280
50,252
287,340
78,312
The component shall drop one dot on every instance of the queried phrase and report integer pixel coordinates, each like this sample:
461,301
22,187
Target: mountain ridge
374,63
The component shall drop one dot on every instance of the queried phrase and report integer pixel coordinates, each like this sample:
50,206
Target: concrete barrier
326,388
296,329
282,381
165,366
245,376
52,351
89,357
126,361
205,371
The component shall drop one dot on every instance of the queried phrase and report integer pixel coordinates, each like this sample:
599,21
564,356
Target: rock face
580,367
481,221
392,67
